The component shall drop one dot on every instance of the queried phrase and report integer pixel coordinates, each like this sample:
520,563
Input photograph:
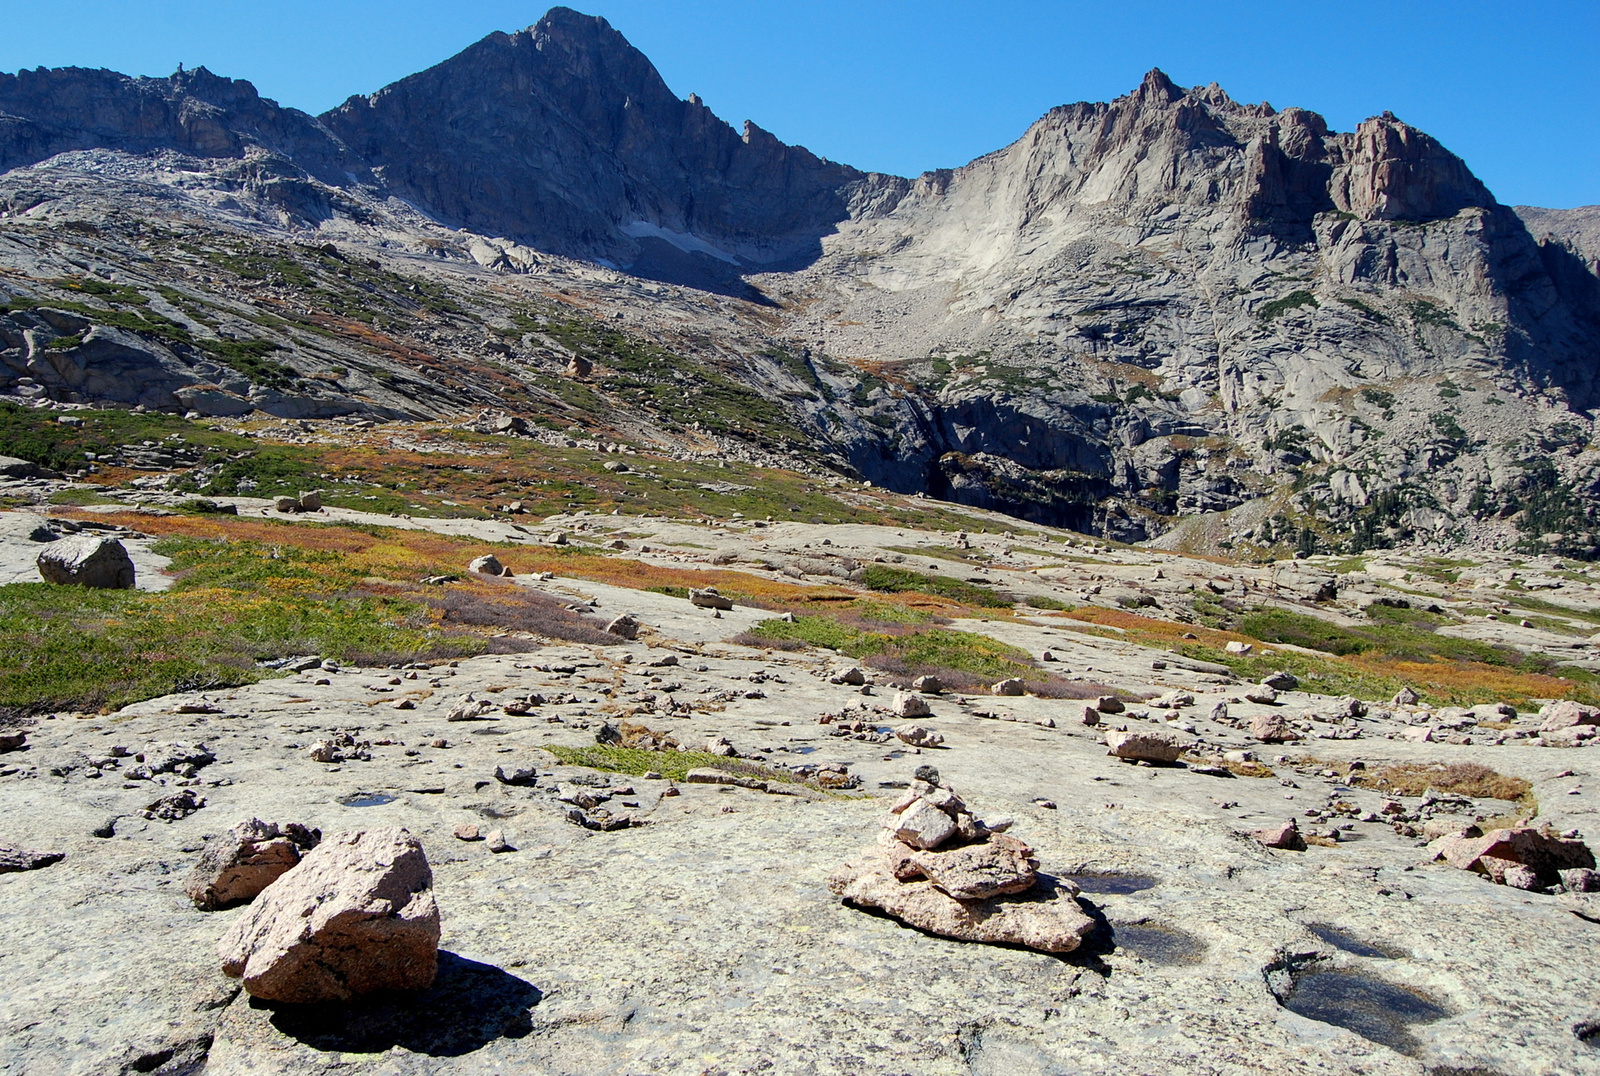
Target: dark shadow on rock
468,1006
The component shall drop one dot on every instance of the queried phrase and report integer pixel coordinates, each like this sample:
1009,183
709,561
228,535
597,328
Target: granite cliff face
564,137
1166,305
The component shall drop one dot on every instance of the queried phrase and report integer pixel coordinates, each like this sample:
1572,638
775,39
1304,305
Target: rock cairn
939,868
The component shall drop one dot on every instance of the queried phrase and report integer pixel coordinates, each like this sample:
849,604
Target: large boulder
356,915
12,467
237,866
1567,714
1518,854
87,560
1145,745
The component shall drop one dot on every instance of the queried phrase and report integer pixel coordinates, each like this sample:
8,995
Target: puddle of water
801,750
1349,943
367,799
1372,1008
1113,882
1163,946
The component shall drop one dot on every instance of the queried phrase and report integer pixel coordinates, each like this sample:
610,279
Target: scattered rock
87,560
708,598
488,564
24,859
1147,745
495,841
1286,836
918,736
1282,681
852,676
517,776
1567,714
469,708
1009,686
174,805
252,855
928,685
1498,851
1406,697
1173,700
1272,728
356,915
1234,646
466,831
1261,694
625,626
908,705
310,502
13,741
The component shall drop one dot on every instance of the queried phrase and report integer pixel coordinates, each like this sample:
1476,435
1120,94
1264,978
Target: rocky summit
516,575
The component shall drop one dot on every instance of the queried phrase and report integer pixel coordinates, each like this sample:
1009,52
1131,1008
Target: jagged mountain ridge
1147,279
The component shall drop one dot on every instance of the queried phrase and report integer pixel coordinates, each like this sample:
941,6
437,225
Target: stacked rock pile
938,868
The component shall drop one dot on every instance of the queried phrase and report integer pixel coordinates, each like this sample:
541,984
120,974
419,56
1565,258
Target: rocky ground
702,937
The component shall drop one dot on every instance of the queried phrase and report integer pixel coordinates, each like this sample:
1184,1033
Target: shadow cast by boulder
469,1006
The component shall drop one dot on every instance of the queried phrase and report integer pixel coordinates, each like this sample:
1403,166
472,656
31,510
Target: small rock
1261,694
286,504
852,676
1282,681
1406,697
709,598
517,776
1286,836
310,502
25,859
625,626
1234,646
12,741
918,736
1091,716
928,685
1009,686
174,805
488,564
495,841
1109,704
905,704
1145,745
469,708
466,831
1272,728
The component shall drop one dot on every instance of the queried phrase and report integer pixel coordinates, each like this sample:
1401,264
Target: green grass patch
901,580
235,603
1278,307
638,761
1044,601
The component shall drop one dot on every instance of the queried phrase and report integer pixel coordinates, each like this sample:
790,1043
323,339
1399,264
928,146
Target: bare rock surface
356,915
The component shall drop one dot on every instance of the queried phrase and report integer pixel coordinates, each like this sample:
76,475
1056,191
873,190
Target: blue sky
901,86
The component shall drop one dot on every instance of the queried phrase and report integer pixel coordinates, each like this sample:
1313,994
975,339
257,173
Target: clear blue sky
900,86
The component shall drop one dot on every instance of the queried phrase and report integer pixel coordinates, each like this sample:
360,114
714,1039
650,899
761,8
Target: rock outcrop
356,915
